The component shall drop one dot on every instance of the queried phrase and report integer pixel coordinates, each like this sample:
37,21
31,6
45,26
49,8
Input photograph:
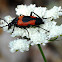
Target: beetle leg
47,18
13,29
35,14
26,38
21,14
42,28
43,18
27,31
28,25
31,14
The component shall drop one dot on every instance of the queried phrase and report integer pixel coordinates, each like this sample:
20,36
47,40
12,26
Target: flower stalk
42,53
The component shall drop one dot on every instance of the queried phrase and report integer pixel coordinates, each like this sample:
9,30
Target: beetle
26,21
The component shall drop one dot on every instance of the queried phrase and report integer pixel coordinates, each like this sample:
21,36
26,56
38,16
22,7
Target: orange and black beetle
25,21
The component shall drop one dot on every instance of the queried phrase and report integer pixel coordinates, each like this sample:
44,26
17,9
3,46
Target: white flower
24,10
55,31
19,44
28,9
40,11
37,35
55,12
19,32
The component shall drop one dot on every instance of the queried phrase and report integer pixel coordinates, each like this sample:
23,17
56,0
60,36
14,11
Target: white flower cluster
37,35
55,12
19,44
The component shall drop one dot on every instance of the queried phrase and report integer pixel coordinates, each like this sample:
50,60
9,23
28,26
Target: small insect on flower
25,21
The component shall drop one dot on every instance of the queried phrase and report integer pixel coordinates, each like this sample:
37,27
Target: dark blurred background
52,50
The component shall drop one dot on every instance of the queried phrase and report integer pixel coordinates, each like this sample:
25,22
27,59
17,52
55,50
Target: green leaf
53,39
16,50
60,35
29,45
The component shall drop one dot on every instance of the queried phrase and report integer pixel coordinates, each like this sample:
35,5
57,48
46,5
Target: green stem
42,53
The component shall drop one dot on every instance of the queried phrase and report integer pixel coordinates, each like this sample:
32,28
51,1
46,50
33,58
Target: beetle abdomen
39,21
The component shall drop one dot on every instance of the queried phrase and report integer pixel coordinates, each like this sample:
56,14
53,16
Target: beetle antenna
4,26
4,20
